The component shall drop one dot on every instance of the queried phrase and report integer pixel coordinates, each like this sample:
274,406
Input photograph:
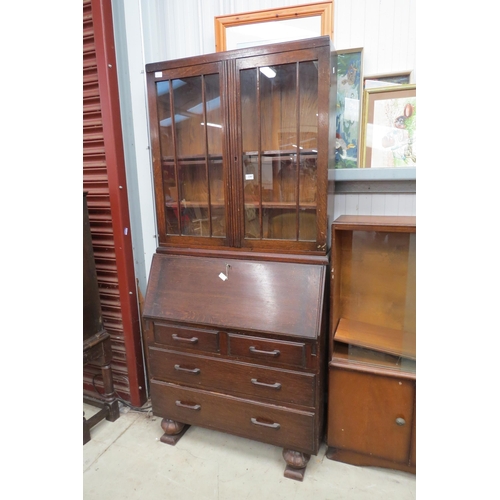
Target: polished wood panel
234,377
353,458
264,350
393,223
265,297
363,412
177,336
243,417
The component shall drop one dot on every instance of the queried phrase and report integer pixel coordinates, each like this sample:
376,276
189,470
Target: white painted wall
154,30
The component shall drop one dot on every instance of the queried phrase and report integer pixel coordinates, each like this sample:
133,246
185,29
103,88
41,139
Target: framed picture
260,27
389,127
349,94
386,80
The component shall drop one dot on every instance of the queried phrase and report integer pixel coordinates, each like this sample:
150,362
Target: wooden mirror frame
323,9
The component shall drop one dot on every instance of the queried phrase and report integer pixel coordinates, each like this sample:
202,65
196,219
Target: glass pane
381,284
369,356
200,222
214,141
281,213
217,197
278,107
307,225
308,148
252,196
282,30
170,198
308,181
282,224
281,181
214,116
307,196
188,118
287,178
378,297
165,119
249,114
198,134
194,196
308,74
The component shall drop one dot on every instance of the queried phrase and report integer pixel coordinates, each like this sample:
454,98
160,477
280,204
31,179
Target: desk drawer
234,377
182,337
275,425
267,350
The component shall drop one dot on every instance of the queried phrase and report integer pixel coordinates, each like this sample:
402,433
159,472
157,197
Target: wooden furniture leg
173,431
86,430
109,394
296,464
97,351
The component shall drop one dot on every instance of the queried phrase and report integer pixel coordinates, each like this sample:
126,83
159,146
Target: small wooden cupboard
372,346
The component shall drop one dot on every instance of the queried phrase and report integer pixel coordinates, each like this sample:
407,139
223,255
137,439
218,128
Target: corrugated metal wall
106,211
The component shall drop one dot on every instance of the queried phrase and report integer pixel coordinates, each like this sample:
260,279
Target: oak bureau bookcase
235,310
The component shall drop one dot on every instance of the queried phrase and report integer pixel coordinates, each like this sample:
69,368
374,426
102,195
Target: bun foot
173,431
296,464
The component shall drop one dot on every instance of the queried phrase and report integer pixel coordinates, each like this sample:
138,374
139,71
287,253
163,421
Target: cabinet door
189,154
371,414
282,118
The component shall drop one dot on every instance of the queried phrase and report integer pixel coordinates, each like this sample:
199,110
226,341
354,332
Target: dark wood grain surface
275,297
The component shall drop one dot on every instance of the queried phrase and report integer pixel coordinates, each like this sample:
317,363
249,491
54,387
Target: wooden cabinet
236,299
240,147
243,355
372,348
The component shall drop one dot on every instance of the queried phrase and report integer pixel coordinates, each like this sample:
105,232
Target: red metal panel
104,179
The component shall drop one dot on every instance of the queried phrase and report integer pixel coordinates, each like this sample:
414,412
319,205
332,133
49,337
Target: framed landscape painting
389,127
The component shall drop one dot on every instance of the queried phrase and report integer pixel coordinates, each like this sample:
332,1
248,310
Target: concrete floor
125,459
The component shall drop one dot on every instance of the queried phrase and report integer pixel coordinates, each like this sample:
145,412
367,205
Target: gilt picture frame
389,127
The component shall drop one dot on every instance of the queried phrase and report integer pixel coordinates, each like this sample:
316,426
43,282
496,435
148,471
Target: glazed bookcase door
189,155
240,148
283,149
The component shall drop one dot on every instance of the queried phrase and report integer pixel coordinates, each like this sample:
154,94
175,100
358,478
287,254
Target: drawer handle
271,426
400,421
274,353
189,370
276,385
189,407
192,340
